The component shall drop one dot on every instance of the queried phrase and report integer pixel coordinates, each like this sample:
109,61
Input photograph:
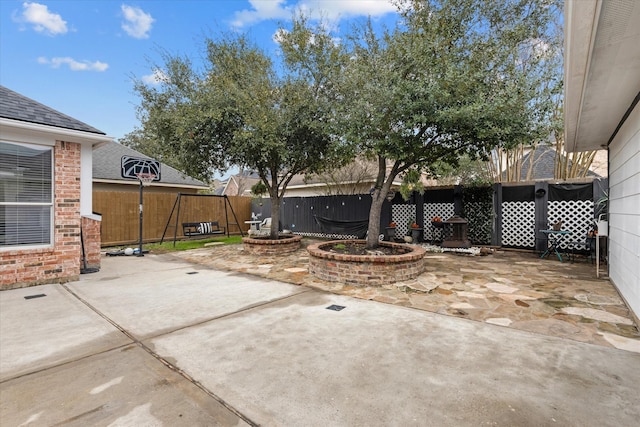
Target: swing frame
222,230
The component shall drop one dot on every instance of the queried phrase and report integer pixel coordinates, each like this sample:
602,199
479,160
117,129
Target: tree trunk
377,199
373,231
275,216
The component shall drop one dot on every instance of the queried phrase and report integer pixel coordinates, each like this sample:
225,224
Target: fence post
457,200
496,236
541,220
419,201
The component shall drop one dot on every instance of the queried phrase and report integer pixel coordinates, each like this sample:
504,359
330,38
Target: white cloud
137,23
42,20
73,64
262,10
155,78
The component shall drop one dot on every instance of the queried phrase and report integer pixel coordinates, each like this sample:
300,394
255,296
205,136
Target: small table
555,237
255,225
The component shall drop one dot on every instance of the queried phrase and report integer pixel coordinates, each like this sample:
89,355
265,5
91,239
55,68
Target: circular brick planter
262,246
365,270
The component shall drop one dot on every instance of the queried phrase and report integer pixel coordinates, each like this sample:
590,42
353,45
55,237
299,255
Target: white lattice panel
328,236
576,216
443,210
518,224
401,215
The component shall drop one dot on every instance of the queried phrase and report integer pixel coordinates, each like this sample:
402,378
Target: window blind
26,194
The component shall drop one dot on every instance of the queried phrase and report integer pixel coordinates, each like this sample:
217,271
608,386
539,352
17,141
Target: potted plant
415,231
391,231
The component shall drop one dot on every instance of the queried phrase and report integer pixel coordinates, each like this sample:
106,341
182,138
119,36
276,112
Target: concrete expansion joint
68,362
164,361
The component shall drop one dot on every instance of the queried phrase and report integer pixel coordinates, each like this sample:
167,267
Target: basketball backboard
131,166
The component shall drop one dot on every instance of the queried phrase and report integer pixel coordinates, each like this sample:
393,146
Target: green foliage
258,189
477,202
456,78
603,200
239,111
411,182
602,204
466,171
453,79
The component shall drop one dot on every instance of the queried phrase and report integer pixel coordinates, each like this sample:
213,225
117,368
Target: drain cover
335,307
35,296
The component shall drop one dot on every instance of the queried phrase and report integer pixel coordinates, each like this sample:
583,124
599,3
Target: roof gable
18,107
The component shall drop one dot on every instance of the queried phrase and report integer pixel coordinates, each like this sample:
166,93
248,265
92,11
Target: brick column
91,237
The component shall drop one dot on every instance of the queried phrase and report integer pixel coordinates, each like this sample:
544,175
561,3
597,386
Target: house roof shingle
18,107
544,160
107,159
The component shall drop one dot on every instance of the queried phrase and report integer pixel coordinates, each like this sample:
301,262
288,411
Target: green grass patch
185,245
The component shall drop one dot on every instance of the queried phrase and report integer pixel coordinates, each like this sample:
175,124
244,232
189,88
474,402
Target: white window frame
51,204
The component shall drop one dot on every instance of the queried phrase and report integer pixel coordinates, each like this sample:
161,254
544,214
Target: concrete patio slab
227,348
122,387
153,295
45,331
294,362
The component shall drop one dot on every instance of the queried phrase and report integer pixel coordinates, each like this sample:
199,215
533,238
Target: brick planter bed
262,246
365,270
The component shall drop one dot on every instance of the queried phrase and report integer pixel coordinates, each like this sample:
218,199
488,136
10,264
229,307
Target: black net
569,192
336,226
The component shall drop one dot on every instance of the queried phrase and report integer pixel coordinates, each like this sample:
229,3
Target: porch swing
199,227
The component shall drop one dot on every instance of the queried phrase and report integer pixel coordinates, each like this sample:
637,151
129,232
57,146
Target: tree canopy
454,78
457,77
240,110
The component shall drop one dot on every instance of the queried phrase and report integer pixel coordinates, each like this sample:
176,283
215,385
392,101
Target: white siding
624,211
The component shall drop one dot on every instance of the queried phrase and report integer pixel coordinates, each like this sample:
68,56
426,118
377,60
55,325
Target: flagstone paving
507,288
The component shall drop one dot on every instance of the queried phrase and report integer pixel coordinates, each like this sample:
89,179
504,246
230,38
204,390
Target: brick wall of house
59,264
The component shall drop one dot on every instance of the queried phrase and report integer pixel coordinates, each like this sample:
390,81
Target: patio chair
263,230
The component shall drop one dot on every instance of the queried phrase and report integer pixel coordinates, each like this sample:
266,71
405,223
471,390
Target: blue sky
79,57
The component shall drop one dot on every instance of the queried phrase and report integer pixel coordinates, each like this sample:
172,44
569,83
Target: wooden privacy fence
120,214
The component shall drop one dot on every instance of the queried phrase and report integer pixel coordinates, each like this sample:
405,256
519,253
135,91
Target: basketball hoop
145,178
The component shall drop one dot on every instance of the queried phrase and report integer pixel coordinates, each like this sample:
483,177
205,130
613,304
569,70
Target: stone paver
517,288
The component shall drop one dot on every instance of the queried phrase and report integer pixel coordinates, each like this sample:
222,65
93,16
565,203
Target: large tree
242,110
446,82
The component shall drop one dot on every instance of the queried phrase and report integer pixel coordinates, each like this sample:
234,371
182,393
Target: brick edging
271,246
365,270
415,252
